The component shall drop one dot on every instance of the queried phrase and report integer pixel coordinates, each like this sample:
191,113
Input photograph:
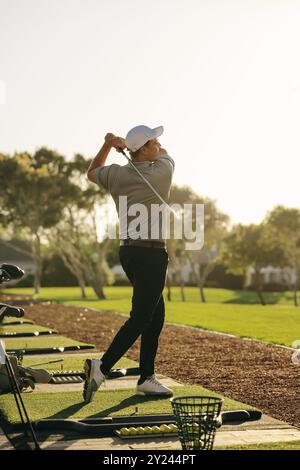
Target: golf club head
9,272
9,311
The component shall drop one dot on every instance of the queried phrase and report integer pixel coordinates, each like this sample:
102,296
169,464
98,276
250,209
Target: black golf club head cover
9,311
11,271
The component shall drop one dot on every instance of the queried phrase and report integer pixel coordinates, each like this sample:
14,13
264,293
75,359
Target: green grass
73,362
69,405
227,311
40,342
9,320
291,445
192,295
63,294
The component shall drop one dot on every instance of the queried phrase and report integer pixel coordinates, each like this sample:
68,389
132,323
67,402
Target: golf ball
132,431
124,432
156,430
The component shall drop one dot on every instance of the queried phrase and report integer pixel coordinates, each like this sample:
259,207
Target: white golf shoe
93,378
152,386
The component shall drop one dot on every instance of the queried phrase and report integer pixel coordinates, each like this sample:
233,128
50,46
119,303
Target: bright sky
221,76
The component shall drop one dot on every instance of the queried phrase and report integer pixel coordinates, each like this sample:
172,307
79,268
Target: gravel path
252,372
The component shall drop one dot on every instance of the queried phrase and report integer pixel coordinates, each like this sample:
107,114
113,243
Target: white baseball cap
139,135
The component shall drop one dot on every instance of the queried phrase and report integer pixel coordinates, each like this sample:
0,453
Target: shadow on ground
131,401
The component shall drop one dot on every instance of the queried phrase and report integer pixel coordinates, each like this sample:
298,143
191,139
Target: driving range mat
70,405
44,345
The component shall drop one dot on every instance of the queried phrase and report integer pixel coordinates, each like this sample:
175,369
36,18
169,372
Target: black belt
143,243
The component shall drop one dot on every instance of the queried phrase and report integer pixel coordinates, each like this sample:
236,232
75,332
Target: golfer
144,259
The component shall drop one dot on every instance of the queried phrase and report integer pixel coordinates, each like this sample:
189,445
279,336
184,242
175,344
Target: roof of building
15,250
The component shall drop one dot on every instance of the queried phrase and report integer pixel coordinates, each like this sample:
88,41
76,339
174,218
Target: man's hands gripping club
110,141
115,141
152,152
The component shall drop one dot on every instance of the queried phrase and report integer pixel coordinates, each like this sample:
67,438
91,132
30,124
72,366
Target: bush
54,273
270,287
224,280
121,282
26,281
212,283
275,287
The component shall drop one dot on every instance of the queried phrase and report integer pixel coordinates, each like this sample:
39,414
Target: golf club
48,362
8,310
26,422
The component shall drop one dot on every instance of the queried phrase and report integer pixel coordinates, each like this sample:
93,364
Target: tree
34,191
251,245
177,262
176,248
284,225
76,235
215,225
83,255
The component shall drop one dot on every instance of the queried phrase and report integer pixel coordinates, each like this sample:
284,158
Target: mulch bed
252,372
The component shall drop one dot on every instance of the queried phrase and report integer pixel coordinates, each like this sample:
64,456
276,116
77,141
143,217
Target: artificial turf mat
22,328
9,320
76,362
41,342
70,405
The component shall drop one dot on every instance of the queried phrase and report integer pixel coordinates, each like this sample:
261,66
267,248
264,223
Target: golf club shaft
149,184
44,363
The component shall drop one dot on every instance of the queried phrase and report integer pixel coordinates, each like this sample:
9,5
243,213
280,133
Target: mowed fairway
233,312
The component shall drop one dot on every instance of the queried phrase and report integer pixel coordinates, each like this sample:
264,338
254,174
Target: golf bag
26,377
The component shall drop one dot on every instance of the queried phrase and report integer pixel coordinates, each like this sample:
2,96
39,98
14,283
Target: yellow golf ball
168,429
156,430
132,431
163,428
124,432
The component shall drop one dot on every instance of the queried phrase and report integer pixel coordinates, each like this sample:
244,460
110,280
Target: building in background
284,277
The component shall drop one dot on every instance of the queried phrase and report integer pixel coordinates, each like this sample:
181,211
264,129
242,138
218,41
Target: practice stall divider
106,427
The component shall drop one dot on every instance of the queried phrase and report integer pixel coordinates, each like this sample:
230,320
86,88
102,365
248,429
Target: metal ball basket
198,418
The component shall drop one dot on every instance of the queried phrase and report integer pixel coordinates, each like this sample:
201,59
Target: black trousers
146,269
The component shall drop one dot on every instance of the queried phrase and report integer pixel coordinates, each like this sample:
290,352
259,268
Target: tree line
48,201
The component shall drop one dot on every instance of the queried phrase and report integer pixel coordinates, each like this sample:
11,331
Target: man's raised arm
99,161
